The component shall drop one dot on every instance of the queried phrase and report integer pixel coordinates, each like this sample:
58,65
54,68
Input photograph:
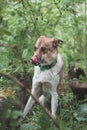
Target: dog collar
47,67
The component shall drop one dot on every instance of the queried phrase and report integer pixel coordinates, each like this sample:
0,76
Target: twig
7,45
35,98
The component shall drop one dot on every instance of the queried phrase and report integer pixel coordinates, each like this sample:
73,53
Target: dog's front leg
54,103
31,101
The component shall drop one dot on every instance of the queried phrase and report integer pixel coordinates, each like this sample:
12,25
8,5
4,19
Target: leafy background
23,21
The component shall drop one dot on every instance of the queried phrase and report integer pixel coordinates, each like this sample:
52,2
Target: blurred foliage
21,23
8,118
7,92
71,114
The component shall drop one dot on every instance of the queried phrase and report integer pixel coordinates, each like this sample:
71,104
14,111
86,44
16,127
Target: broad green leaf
25,53
27,126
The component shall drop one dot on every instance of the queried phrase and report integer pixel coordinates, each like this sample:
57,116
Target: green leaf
83,109
26,126
4,31
16,114
81,114
25,52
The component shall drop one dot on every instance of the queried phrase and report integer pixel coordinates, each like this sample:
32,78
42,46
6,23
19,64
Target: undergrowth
71,115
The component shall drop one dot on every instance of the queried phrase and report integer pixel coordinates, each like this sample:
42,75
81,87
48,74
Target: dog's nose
35,60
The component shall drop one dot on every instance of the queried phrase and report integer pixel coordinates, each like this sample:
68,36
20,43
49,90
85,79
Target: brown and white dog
47,73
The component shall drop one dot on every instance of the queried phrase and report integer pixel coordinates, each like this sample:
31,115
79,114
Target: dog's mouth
35,60
40,61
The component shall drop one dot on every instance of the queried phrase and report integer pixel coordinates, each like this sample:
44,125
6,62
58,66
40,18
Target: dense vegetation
21,23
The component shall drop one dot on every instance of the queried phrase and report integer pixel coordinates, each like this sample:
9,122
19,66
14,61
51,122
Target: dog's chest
45,76
48,79
46,88
50,76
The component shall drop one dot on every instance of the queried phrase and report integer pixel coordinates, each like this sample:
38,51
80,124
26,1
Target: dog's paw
54,117
20,120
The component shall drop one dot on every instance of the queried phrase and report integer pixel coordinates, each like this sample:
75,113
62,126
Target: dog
47,73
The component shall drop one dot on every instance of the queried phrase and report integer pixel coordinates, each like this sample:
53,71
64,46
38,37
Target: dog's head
45,50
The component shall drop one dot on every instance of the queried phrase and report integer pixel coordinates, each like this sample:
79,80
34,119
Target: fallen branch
78,85
79,89
35,98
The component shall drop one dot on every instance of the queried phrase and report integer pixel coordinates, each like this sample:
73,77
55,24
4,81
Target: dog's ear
55,42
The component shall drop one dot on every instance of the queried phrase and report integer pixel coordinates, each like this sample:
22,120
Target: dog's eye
43,49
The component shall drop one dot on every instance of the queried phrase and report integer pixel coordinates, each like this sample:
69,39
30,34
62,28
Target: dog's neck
49,66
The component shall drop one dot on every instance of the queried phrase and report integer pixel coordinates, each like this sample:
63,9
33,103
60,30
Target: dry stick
7,45
28,91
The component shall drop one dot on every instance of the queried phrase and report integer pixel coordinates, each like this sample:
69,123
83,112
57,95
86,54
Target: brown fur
50,48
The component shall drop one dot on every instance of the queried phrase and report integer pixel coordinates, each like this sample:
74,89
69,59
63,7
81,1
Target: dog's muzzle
35,60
